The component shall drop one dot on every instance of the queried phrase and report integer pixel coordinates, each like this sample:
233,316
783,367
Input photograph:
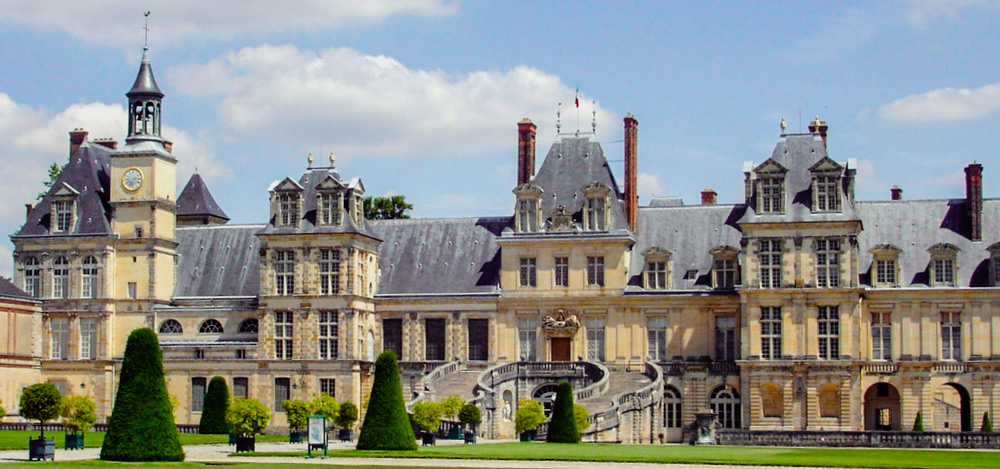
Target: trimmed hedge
386,425
213,415
142,426
562,428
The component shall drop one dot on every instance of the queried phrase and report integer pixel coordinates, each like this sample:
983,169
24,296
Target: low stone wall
860,439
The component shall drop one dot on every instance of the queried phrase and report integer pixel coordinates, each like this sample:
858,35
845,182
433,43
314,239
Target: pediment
65,190
657,252
596,186
770,166
826,165
724,251
357,185
528,188
994,248
329,183
288,184
943,247
886,248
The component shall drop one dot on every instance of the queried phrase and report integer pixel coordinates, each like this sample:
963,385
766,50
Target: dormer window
943,266
885,266
596,208
826,185
63,208
329,208
725,267
358,213
772,195
63,216
528,208
288,209
994,250
656,275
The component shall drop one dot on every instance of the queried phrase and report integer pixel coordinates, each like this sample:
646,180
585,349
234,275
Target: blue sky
422,98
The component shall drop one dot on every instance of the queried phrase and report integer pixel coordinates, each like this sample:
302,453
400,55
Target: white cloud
362,104
921,12
649,186
114,22
945,104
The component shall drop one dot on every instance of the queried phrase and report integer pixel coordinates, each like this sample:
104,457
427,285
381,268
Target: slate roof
436,256
309,180
196,200
8,290
145,84
221,260
88,172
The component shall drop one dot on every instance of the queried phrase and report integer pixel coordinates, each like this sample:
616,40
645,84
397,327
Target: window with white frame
827,193
88,338
829,332
63,215
769,256
827,263
132,290
881,335
328,386
595,339
283,322
772,195
725,402
656,331
770,332
951,336
672,415
725,338
198,390
943,268
329,271
885,272
171,326
329,208
88,278
595,271
596,213
725,272
59,343
284,272
32,276
527,334
527,214
656,275
329,335
288,209
60,278
528,273
561,271
282,392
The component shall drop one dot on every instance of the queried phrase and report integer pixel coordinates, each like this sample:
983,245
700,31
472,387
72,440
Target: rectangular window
725,338
88,276
672,416
595,271
656,275
329,271
284,272
59,345
241,353
827,263
241,387
434,338
881,336
329,335
829,332
772,197
770,333
596,213
199,354
31,277
479,339
88,339
770,263
283,335
528,272
885,272
562,271
329,208
827,194
133,290
944,272
392,336
197,394
527,339
60,278
289,209
282,392
657,335
528,215
595,339
725,273
951,336
328,386
64,216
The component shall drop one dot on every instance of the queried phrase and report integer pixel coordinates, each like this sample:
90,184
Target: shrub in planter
530,415
449,410
386,425
78,415
141,427
471,416
213,414
41,402
297,414
580,416
247,418
346,416
427,415
563,429
987,426
325,405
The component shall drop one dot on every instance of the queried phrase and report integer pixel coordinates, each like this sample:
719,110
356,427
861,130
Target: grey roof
145,84
570,165
309,180
673,201
88,172
433,256
196,200
8,290
218,261
916,225
689,233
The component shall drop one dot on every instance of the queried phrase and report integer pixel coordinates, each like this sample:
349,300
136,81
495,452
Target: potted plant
345,419
41,402
427,415
325,405
297,413
78,415
449,409
247,418
470,415
530,415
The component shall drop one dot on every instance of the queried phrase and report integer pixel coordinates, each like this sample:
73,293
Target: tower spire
144,98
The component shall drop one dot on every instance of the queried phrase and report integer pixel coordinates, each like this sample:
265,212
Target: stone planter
455,433
74,441
296,437
528,436
245,444
345,434
40,449
429,438
232,438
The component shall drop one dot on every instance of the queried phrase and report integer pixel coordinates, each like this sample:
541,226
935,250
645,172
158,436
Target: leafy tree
296,412
347,416
470,415
213,416
562,428
41,402
247,417
427,414
325,404
918,423
530,415
78,413
54,171
387,208
987,426
580,416
450,406
141,427
386,425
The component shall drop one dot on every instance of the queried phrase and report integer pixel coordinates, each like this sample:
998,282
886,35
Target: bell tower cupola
144,104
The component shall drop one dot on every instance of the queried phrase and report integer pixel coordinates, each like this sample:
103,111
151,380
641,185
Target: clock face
132,179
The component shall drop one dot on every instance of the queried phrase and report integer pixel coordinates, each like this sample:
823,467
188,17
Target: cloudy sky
422,98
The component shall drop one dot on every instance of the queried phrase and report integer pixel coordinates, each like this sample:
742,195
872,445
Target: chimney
107,142
76,138
820,127
708,197
168,146
631,197
896,193
27,210
525,151
974,199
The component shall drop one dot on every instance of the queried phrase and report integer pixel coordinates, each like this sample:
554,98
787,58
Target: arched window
88,275
60,277
829,400
546,394
672,416
725,402
248,326
210,326
31,276
171,326
772,400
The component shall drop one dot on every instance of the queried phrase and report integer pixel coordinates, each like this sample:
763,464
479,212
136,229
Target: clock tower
143,196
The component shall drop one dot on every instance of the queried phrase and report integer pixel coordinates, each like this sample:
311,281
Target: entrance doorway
560,349
952,409
882,410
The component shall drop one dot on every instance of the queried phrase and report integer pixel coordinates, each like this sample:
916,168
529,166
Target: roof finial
310,159
558,119
593,120
145,40
784,125
332,159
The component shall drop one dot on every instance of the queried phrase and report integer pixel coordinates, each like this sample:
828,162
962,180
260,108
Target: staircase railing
428,381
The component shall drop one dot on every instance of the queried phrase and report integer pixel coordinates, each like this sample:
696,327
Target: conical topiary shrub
213,415
386,425
918,423
987,426
562,428
142,426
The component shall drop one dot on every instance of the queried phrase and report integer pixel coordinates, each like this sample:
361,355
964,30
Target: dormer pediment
994,248
288,185
657,253
770,167
357,185
943,248
65,190
329,183
596,187
724,251
827,165
528,189
885,248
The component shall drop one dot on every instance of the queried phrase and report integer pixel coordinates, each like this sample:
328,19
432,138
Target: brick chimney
76,138
27,210
708,197
974,199
525,151
819,127
631,196
896,193
107,142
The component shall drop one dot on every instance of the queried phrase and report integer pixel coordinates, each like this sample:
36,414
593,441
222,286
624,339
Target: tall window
829,332
951,336
60,277
282,392
289,207
771,195
595,271
827,263
885,272
59,345
770,263
329,334
88,339
241,387
562,271
725,338
284,272
944,272
827,194
527,336
656,275
64,216
328,386
329,271
527,213
770,332
881,336
479,339
31,277
672,415
283,335
132,290
434,336
88,276
198,390
725,273
595,339
656,331
596,213
528,272
329,208
392,336
725,402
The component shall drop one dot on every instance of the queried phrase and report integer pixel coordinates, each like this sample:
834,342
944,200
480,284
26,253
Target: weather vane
145,41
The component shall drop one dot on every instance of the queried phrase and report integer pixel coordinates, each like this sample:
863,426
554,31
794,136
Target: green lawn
18,439
183,465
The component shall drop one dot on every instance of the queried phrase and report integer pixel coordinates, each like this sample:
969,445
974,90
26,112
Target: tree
387,208
297,413
78,413
470,415
562,428
427,414
347,415
918,423
41,402
580,416
987,426
386,425
530,415
247,417
324,404
54,172
450,406
213,415
141,427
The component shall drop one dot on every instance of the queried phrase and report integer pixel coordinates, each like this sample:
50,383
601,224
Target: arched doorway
546,394
725,402
952,408
882,408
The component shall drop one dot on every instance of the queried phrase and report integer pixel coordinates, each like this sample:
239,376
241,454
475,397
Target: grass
18,439
183,465
735,455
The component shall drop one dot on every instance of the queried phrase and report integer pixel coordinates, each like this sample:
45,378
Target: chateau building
797,308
